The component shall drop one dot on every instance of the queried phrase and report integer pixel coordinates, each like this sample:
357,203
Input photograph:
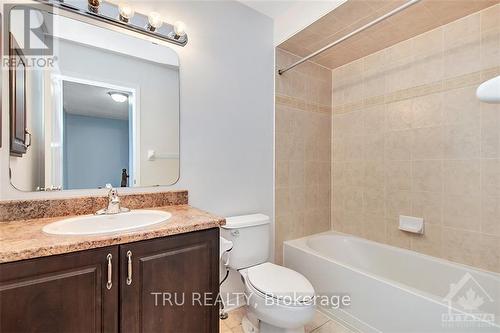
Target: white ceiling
92,101
290,16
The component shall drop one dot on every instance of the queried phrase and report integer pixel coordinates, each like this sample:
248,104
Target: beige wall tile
461,31
398,145
282,173
374,175
490,130
374,147
399,115
490,48
490,177
462,60
460,245
427,111
489,253
430,243
429,143
461,106
398,176
462,212
462,177
398,203
346,124
396,237
429,43
490,217
462,141
427,176
374,119
375,228
303,146
427,69
374,203
490,18
354,147
428,205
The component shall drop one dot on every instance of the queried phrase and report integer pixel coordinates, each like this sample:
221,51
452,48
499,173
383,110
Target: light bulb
180,29
126,12
93,5
154,20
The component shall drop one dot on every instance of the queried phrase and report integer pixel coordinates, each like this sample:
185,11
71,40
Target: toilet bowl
280,299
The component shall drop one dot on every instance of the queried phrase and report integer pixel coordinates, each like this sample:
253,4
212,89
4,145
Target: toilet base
250,325
253,325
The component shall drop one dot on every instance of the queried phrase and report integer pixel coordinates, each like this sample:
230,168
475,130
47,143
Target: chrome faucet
113,203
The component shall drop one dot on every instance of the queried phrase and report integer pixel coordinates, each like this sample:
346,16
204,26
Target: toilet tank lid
242,221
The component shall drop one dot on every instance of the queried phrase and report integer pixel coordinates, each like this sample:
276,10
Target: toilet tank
250,236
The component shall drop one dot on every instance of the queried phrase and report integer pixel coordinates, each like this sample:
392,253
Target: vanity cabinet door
167,276
62,293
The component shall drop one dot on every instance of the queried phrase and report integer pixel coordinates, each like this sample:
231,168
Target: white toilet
279,298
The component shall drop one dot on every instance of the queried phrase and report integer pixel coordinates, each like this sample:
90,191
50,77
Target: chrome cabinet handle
129,268
109,284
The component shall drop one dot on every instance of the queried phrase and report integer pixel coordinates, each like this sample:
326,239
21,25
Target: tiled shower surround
409,137
303,133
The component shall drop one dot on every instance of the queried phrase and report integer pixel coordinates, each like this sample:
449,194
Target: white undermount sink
104,224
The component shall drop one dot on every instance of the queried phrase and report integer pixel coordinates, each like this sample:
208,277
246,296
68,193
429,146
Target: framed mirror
103,108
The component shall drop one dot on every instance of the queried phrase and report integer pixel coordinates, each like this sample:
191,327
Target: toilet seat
284,285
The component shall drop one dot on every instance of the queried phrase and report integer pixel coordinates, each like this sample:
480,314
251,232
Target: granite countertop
24,239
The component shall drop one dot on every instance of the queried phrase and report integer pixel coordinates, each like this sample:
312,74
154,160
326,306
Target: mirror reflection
83,117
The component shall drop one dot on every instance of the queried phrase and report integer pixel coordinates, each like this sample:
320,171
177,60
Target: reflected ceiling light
126,12
154,21
118,97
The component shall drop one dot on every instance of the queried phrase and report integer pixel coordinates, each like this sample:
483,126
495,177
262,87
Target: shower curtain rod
340,40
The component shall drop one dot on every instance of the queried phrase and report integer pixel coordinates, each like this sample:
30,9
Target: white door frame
134,114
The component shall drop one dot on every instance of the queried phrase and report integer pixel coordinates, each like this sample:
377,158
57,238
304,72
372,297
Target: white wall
227,103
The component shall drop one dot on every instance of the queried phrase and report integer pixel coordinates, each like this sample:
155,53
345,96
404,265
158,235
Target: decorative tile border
32,209
426,89
300,104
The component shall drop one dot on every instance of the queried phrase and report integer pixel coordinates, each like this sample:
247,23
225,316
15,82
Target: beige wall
303,127
410,137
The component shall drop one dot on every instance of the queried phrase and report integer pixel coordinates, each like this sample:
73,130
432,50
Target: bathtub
395,290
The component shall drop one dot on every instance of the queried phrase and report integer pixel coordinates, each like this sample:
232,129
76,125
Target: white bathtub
395,290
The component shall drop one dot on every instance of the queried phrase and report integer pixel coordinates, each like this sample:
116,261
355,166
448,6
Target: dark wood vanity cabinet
64,293
169,279
166,284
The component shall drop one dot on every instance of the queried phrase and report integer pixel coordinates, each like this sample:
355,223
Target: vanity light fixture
121,13
154,21
125,12
118,97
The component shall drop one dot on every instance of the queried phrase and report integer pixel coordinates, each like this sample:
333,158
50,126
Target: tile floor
319,324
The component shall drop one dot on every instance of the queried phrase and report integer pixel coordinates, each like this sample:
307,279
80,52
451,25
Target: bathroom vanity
102,112
162,278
